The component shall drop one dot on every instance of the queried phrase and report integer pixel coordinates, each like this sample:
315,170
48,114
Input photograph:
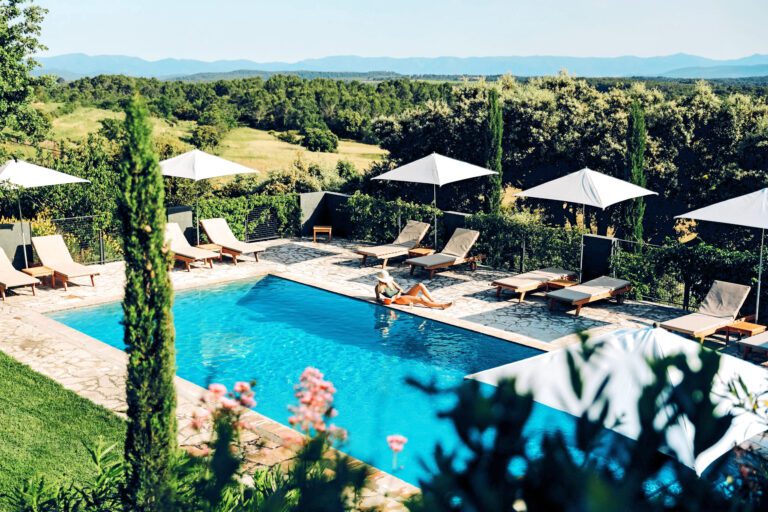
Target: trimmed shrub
320,139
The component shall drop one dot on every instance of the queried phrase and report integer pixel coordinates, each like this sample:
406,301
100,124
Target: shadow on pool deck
533,319
290,253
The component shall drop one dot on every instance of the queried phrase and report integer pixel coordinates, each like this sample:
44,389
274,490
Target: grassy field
85,120
260,150
250,147
45,428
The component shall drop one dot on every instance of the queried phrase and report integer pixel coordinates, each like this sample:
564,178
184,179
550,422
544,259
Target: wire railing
87,241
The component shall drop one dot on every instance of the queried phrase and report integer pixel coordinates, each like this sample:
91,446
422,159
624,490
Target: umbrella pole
23,238
434,201
760,276
586,226
197,219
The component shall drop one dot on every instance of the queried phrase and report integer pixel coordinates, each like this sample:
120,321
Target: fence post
522,258
686,295
102,256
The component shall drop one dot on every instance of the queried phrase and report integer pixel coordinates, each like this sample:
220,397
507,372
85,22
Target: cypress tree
494,150
150,444
636,142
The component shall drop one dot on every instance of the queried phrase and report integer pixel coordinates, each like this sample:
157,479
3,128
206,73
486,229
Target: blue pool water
271,329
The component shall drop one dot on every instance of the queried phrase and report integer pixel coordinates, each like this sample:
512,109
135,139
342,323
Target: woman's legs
405,300
419,288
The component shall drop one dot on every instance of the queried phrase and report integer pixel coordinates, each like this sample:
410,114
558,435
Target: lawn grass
260,150
44,428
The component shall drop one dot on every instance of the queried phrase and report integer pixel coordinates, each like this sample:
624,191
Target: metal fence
87,242
651,270
262,223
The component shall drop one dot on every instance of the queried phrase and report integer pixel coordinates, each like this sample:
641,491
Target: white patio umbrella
623,356
436,170
198,165
750,210
25,175
587,188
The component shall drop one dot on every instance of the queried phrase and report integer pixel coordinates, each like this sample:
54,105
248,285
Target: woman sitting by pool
388,291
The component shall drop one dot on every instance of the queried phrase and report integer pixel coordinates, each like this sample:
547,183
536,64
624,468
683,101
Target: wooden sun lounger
532,281
219,233
12,278
408,239
455,253
595,290
718,311
183,251
758,343
53,253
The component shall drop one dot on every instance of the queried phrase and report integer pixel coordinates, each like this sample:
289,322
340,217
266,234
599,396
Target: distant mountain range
680,65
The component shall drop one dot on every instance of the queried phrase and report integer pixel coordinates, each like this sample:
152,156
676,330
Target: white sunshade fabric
750,210
623,357
26,175
587,187
436,170
199,165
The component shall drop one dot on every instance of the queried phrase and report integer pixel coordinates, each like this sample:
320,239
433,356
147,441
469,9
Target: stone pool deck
97,371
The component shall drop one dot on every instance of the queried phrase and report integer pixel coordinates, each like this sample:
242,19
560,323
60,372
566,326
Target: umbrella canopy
587,187
436,170
622,355
25,175
199,165
750,210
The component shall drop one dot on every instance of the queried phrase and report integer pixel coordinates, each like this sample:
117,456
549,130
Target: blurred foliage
495,469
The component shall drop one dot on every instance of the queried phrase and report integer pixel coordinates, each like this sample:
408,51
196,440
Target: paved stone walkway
97,371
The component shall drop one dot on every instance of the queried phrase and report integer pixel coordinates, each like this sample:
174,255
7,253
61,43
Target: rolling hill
679,66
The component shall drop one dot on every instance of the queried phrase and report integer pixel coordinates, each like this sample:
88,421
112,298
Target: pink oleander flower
396,443
242,387
200,418
217,390
229,404
314,395
247,401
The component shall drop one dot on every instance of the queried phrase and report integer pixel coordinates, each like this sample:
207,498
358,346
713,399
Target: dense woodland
705,142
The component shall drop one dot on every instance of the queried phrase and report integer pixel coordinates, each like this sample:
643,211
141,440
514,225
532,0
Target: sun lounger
184,252
718,310
454,253
53,253
592,291
219,233
758,343
409,238
532,281
12,278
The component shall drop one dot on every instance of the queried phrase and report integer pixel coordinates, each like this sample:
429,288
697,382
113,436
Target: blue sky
290,30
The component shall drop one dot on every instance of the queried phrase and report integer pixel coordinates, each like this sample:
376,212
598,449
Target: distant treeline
281,102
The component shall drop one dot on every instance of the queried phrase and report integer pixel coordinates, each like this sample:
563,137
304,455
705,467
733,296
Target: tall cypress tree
636,142
494,150
151,443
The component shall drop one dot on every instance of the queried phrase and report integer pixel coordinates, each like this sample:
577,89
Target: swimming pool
271,329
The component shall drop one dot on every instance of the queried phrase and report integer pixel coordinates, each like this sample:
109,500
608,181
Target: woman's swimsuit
389,292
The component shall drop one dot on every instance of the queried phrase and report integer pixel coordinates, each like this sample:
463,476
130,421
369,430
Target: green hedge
376,220
236,209
518,243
